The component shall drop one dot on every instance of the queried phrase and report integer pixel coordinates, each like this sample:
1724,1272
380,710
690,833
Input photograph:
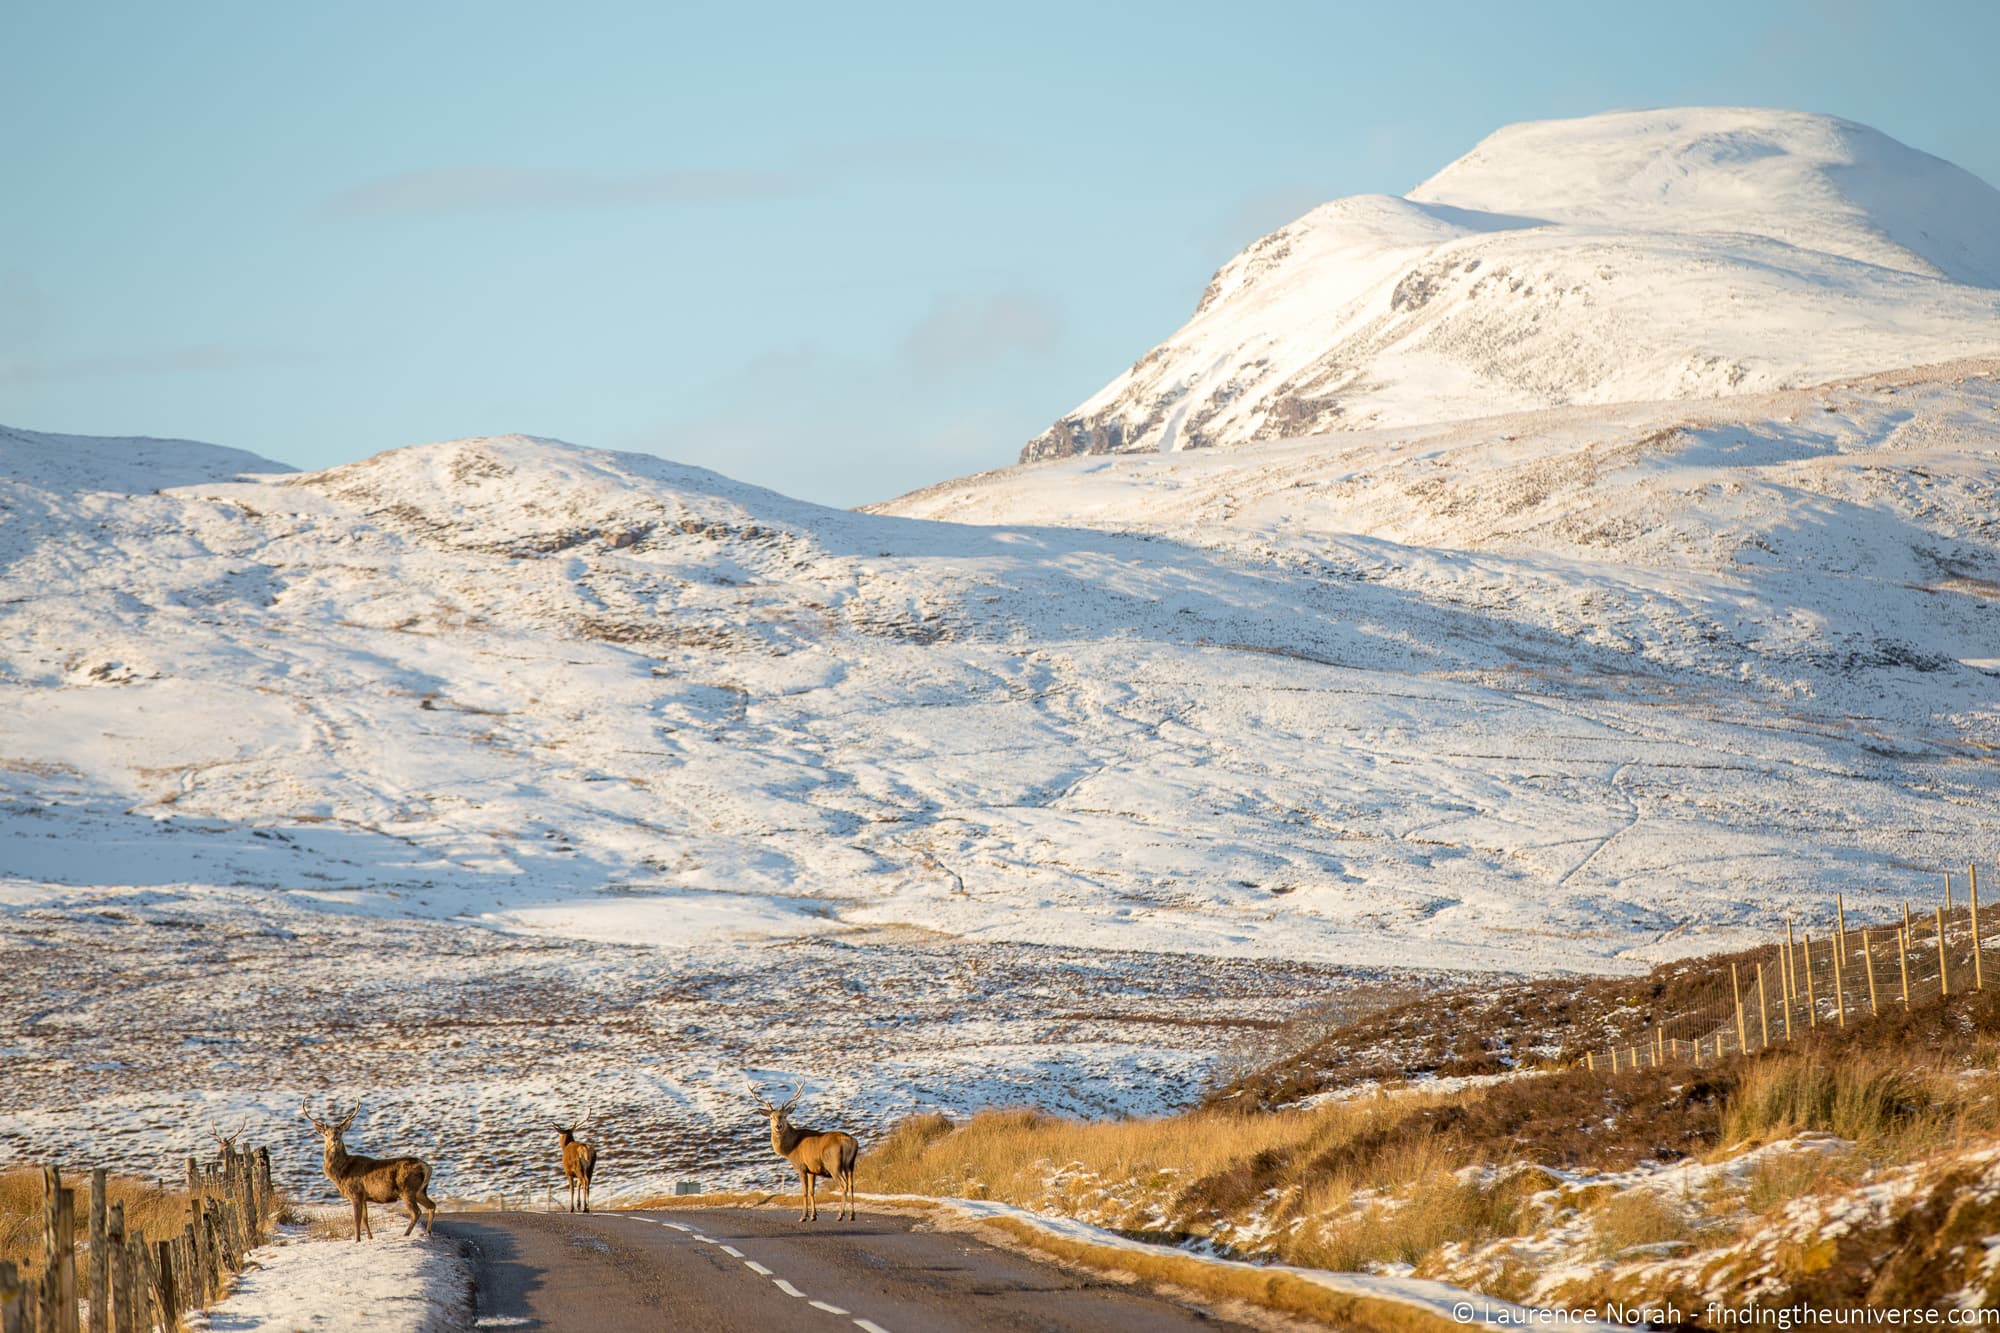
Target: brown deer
225,1144
366,1180
579,1160
814,1154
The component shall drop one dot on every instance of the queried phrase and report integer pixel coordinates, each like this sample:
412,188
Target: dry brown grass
1889,1102
1634,1218
159,1213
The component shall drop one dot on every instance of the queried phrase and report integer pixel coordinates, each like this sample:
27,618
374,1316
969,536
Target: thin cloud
197,359
505,189
968,332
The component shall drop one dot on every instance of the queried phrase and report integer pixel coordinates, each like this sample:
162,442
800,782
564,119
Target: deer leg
586,1194
410,1202
805,1195
358,1206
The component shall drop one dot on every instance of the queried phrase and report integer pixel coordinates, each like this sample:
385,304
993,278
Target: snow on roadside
1440,1299
392,1284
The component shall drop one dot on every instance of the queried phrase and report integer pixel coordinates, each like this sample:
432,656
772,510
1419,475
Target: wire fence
1796,985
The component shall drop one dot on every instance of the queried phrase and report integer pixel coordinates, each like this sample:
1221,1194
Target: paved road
729,1269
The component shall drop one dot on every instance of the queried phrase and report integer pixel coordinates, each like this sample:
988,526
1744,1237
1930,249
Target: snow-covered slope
623,699
1625,257
937,815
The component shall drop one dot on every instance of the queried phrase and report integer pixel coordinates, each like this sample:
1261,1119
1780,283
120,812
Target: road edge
1366,1302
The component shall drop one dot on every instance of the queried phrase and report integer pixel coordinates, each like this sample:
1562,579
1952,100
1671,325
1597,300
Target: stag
579,1160
366,1180
225,1144
814,1154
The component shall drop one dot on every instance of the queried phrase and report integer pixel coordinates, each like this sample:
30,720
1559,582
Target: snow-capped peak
1631,256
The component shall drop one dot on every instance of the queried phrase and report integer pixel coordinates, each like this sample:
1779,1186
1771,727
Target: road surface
727,1269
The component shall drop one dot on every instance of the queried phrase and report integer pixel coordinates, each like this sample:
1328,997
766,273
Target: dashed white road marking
865,1325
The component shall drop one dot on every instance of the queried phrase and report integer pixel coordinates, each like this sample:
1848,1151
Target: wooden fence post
1742,1035
170,1304
1868,961
1944,969
100,1272
1839,985
142,1283
13,1299
59,1253
1763,1011
1903,956
1791,965
1839,924
1978,963
121,1270
1812,991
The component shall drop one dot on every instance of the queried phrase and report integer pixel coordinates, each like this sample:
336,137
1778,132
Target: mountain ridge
1634,256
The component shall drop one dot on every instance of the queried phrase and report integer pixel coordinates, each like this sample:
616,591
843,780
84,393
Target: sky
841,251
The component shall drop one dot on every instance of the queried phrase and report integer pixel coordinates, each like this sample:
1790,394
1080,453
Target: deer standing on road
579,1160
814,1154
366,1180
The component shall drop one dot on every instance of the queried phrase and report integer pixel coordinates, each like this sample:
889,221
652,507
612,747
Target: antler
797,1093
348,1119
305,1109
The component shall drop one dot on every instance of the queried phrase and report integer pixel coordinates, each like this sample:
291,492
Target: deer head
780,1115
225,1143
330,1130
567,1133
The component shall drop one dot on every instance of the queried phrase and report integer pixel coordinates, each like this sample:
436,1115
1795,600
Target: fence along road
1797,984
732,1269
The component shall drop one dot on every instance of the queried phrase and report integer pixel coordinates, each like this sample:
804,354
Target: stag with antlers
225,1144
579,1160
366,1180
814,1154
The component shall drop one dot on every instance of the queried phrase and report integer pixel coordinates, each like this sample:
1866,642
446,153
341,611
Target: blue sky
840,252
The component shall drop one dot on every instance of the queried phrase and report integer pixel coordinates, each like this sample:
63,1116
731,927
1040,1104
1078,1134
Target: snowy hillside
1633,256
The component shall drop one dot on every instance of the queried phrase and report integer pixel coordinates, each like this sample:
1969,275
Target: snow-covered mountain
1634,256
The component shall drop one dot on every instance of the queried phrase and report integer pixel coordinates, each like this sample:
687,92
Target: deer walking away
579,1161
366,1180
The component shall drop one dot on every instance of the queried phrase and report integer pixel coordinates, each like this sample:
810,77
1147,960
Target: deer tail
849,1150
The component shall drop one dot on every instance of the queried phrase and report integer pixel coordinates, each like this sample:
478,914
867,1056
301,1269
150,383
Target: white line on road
676,1226
706,1240
786,1287
869,1326
756,1268
822,1305
732,1251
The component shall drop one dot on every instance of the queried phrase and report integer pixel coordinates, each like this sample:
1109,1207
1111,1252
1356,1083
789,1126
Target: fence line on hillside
1800,984
134,1286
